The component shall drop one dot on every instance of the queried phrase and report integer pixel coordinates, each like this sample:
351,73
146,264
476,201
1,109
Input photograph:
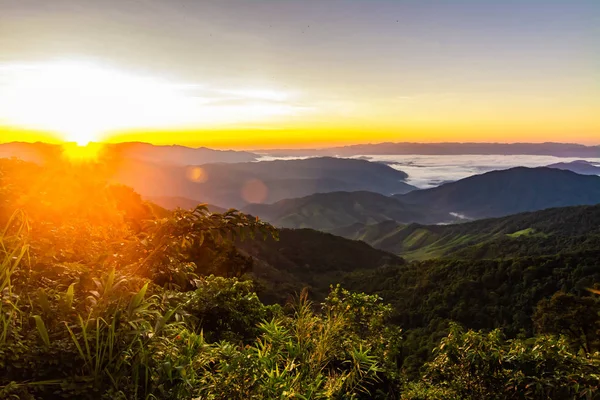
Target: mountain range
582,167
236,185
485,237
325,211
540,149
510,191
366,214
169,155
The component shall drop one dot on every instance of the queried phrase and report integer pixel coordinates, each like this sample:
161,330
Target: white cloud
82,100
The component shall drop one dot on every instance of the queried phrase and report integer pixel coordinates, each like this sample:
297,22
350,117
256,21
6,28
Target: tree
575,317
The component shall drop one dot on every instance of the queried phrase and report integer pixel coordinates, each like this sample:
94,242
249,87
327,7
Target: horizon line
338,146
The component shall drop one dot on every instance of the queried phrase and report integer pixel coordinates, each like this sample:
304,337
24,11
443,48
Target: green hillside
305,258
329,211
540,232
511,191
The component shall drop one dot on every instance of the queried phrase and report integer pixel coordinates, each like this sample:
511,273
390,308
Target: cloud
73,97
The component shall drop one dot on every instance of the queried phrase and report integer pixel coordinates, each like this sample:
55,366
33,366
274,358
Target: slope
535,233
326,211
511,191
308,258
236,185
582,167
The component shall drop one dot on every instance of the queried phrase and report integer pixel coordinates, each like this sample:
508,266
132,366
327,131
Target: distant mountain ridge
510,191
582,167
236,185
179,155
406,148
326,211
172,155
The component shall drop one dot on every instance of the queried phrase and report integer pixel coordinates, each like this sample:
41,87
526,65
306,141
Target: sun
82,139
83,102
76,152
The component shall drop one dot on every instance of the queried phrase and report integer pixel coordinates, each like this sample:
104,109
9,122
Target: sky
265,74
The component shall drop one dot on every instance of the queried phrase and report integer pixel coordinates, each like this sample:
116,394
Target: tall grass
13,249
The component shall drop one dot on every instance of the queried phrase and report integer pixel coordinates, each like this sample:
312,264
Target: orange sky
299,74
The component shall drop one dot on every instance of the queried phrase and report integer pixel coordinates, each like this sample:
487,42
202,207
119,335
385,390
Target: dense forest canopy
105,295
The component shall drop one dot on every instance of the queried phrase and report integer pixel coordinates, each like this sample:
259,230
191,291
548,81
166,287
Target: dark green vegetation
327,211
511,191
105,296
537,233
490,274
304,258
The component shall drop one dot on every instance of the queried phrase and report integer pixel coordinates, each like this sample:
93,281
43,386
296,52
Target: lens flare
255,191
197,174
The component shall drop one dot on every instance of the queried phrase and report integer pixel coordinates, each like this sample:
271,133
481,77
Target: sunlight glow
82,153
86,102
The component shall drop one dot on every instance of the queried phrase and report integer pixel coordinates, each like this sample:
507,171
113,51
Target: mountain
31,152
540,149
579,166
305,258
237,185
511,191
540,232
179,155
171,155
325,211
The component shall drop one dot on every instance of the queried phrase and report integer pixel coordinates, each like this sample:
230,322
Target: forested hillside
536,233
305,258
327,211
499,193
107,296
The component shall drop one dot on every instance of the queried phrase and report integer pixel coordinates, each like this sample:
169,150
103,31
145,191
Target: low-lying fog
427,171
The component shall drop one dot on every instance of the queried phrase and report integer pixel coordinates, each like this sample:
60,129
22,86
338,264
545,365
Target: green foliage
577,318
474,365
173,243
103,298
121,308
480,294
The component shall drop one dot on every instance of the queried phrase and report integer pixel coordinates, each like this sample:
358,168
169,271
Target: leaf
162,321
136,300
70,295
109,281
41,327
200,238
43,301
